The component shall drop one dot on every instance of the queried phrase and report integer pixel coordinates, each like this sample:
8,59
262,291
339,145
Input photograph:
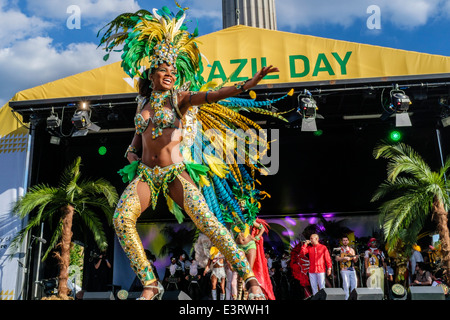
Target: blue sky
38,46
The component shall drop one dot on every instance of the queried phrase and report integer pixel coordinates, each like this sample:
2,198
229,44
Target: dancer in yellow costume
167,105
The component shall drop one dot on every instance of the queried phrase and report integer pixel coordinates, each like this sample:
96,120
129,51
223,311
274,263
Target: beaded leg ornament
197,209
127,212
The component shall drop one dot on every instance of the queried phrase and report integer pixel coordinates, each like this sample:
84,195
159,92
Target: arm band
130,149
240,85
206,96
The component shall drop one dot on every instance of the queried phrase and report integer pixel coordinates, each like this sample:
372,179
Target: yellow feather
204,181
208,86
216,165
247,231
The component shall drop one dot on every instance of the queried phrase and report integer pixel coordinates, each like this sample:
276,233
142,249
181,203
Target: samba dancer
216,264
174,60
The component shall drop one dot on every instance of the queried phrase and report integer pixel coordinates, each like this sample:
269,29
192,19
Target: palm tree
177,239
415,192
72,199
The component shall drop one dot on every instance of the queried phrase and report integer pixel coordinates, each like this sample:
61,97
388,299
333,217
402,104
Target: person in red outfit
319,262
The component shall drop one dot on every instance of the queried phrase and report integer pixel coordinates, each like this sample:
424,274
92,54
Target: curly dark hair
144,84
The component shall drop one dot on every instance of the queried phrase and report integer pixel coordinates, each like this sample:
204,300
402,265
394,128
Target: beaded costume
151,39
162,118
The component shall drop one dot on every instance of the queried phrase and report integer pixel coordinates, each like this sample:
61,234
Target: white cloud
15,25
407,14
90,9
411,13
28,54
32,62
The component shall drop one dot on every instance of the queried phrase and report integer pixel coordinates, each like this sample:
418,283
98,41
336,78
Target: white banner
13,176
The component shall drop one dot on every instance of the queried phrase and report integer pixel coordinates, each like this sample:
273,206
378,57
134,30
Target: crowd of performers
300,272
208,275
347,263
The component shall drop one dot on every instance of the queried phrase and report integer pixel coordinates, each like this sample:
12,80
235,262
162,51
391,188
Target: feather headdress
150,39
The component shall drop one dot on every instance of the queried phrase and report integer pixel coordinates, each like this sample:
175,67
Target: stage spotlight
53,121
400,101
399,105
307,108
84,106
82,121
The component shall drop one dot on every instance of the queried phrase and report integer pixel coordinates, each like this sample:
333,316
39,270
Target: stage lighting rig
399,105
307,109
53,121
400,101
81,120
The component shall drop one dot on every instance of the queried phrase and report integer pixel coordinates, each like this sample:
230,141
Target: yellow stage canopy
245,50
302,58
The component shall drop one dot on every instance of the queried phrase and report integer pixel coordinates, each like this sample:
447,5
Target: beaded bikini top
162,117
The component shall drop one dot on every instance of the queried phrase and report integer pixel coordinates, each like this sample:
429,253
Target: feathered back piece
154,38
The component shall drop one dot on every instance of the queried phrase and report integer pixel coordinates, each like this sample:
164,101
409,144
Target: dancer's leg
222,287
213,287
133,201
251,257
183,191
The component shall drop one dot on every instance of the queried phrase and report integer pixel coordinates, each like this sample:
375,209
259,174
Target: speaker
366,294
175,295
107,295
427,293
329,294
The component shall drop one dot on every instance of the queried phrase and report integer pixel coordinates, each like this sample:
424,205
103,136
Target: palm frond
403,159
392,188
18,240
37,196
400,212
94,224
100,203
410,189
71,173
101,187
